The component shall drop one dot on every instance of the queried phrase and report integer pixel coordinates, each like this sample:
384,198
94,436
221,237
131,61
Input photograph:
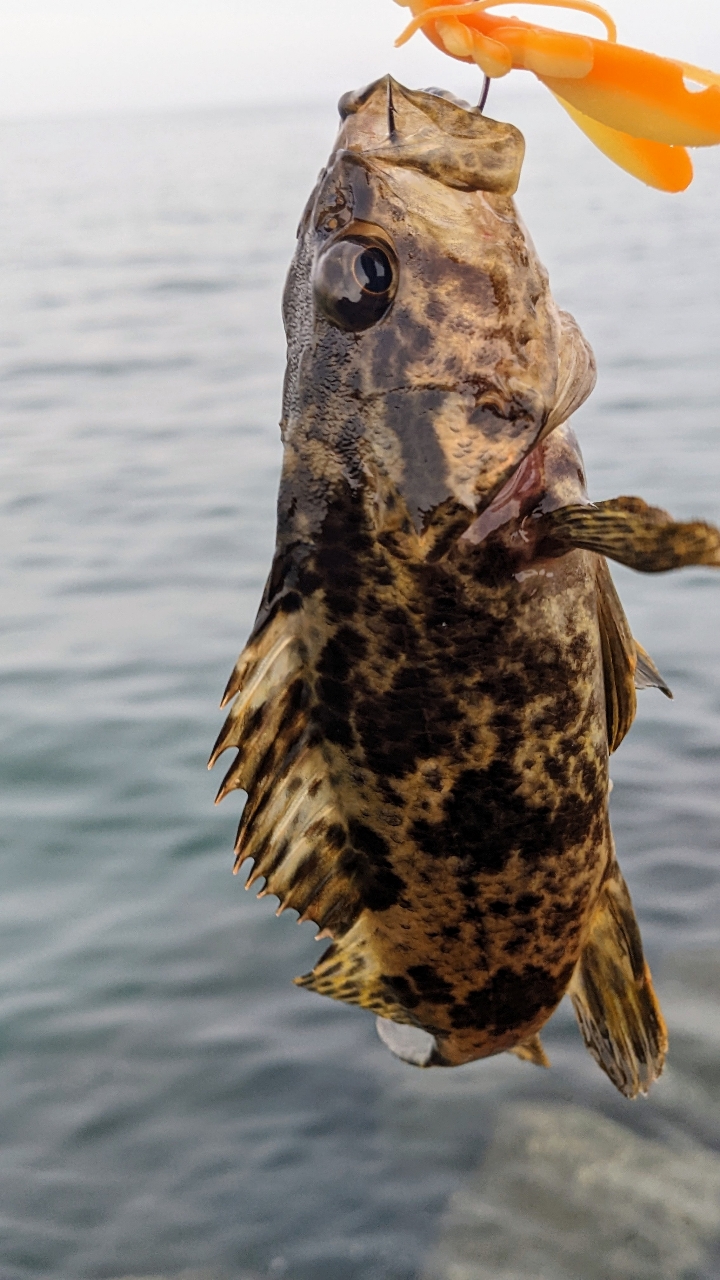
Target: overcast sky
60,56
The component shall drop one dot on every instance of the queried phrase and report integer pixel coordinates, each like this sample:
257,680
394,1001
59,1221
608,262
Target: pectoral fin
292,826
628,530
611,989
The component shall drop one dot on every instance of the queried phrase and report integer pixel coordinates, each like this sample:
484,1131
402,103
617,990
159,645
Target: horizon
79,57
513,91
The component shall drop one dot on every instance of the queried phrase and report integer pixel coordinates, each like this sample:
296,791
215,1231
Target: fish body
440,666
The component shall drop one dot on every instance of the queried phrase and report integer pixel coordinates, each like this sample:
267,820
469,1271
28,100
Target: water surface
168,1099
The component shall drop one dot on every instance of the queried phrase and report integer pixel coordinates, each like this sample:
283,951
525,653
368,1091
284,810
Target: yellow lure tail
654,163
639,109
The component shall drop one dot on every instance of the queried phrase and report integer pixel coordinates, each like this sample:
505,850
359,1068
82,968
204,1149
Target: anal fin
531,1050
633,533
612,993
349,971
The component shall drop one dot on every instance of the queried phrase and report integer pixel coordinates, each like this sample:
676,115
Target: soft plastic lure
639,109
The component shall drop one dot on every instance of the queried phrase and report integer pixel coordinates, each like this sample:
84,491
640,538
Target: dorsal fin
291,825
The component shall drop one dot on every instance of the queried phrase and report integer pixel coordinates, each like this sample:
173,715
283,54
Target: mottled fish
441,667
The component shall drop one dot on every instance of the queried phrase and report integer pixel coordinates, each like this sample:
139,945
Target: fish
440,667
641,110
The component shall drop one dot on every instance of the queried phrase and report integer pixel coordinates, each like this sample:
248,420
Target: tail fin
611,990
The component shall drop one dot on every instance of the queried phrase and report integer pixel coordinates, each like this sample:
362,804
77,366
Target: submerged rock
565,1194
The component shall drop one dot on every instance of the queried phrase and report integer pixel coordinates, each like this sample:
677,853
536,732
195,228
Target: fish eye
355,282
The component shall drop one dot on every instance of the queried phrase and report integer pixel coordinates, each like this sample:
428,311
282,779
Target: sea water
168,1100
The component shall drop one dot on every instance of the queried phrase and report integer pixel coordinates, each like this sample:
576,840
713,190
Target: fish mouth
434,133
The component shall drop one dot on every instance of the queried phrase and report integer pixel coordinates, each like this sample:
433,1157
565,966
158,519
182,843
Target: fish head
426,356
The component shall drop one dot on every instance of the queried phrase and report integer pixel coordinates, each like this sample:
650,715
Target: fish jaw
471,365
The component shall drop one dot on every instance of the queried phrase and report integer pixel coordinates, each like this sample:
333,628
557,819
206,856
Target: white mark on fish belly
524,574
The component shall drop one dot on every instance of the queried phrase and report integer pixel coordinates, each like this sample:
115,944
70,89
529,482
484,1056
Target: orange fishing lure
639,109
